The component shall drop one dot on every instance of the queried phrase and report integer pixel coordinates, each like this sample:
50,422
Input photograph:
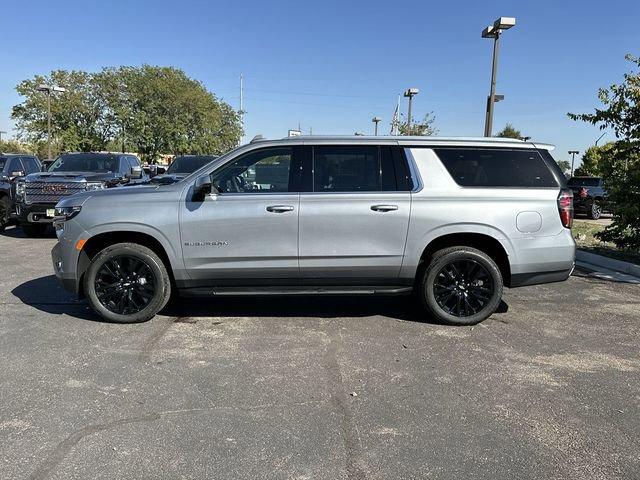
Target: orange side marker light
80,244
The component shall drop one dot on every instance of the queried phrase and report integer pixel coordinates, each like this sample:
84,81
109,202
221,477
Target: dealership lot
316,388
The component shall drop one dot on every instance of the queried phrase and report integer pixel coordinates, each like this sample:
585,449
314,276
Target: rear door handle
279,208
384,208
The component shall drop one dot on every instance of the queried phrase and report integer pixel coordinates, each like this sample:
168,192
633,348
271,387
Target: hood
73,177
168,178
79,199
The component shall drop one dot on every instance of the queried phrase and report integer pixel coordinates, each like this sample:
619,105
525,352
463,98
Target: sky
332,66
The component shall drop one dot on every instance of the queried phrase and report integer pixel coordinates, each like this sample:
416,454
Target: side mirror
136,173
202,187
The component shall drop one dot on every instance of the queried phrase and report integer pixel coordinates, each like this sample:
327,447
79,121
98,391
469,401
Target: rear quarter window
477,167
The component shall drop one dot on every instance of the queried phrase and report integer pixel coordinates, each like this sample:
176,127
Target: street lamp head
376,119
58,89
498,98
410,92
50,88
504,23
489,32
43,88
573,151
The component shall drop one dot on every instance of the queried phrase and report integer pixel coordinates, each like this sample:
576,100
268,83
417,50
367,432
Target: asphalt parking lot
316,388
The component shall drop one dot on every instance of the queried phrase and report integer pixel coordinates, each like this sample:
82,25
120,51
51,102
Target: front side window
15,166
31,164
261,171
478,167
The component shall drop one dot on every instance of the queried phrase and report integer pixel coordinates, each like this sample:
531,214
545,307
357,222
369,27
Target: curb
608,263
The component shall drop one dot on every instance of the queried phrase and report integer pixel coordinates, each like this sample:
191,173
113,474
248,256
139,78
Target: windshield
89,162
584,182
189,164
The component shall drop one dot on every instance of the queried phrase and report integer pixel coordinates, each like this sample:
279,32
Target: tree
509,132
418,127
620,164
14,146
591,163
149,110
565,166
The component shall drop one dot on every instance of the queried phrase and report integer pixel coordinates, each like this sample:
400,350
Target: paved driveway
316,388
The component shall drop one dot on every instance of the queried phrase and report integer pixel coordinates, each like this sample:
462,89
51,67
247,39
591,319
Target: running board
307,290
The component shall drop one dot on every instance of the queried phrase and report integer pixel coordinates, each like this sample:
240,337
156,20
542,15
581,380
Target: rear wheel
595,212
461,286
34,230
127,283
5,210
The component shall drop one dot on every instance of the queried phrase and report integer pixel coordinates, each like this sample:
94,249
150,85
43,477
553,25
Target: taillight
565,207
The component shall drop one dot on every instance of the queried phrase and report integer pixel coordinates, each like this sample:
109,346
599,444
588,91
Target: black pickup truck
37,194
13,166
589,196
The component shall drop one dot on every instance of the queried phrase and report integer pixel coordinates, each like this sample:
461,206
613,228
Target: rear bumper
524,279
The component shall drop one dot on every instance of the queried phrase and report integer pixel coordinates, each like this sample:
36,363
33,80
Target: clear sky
332,66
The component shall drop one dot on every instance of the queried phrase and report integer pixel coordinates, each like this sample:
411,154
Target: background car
13,166
589,196
182,166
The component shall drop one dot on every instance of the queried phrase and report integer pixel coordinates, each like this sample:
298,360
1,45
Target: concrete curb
608,263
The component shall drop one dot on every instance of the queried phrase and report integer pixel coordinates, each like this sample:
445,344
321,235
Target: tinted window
85,162
31,164
352,169
3,160
261,171
188,164
476,167
583,182
15,165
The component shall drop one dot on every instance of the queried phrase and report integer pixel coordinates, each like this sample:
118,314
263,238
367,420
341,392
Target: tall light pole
2,131
573,154
410,93
494,31
376,121
48,89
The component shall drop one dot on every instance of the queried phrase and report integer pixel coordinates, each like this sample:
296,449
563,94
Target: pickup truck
589,196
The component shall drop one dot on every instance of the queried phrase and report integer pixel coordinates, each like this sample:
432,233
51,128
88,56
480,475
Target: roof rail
257,138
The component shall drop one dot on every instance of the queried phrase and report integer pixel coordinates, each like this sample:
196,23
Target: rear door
248,232
354,221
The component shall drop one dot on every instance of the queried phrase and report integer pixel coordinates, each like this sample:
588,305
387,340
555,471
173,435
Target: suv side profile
453,220
13,166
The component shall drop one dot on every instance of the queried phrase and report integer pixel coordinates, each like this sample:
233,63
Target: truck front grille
49,192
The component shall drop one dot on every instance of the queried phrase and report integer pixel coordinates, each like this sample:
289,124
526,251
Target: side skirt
294,290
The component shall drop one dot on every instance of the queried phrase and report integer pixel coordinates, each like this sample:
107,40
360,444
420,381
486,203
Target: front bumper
34,212
69,282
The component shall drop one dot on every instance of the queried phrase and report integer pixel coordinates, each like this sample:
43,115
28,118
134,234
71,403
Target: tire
114,288
5,210
595,212
34,230
450,296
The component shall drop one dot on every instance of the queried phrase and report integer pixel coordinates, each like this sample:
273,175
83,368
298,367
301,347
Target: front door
247,232
353,225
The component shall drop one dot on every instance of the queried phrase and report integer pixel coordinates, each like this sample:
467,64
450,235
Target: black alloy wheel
463,288
125,284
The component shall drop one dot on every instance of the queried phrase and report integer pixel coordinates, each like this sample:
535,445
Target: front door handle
279,208
384,208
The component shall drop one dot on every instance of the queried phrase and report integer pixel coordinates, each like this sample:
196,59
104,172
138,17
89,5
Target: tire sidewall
431,272
157,268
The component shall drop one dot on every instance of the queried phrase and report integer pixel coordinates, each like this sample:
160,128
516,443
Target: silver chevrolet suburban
451,220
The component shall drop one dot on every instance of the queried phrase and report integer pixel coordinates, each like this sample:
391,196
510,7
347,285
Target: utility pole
410,93
376,120
573,154
48,89
600,138
1,132
241,107
494,31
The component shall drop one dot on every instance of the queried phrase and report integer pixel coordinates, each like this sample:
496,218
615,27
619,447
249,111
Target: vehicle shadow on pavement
45,294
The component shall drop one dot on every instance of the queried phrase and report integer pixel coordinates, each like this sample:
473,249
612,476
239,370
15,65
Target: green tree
418,127
620,165
592,158
149,110
509,132
14,146
565,166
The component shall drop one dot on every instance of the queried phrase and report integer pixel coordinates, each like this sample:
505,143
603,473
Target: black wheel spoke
125,284
463,287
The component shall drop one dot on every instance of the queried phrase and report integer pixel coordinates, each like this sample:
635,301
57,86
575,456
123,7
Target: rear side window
353,168
477,167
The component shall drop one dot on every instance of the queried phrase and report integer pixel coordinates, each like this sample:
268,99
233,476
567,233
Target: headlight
94,186
20,188
63,214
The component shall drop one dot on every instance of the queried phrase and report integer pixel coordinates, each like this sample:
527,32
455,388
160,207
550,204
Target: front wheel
127,283
461,286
